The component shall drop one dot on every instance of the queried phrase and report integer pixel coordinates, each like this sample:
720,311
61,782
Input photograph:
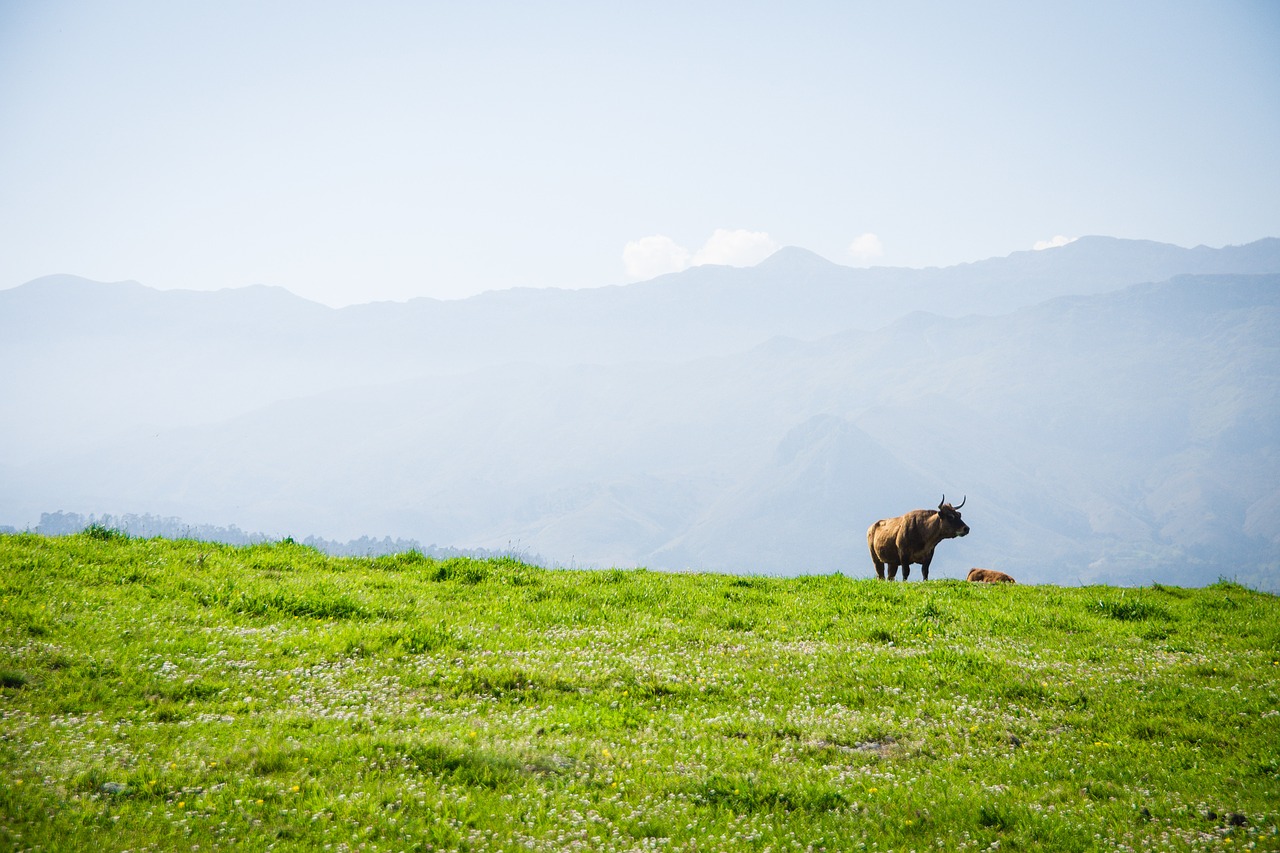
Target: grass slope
160,695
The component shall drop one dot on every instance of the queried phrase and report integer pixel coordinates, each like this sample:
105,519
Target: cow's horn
942,502
962,500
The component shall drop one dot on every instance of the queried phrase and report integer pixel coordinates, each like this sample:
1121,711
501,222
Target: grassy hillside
176,696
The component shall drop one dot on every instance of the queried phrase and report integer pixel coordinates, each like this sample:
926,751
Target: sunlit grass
186,696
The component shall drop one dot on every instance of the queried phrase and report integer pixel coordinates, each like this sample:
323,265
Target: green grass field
160,695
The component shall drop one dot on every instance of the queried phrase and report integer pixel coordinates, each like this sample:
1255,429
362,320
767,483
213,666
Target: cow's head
952,524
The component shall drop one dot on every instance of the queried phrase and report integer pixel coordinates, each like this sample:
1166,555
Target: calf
989,576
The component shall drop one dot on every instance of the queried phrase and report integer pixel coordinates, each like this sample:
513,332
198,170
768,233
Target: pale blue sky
357,152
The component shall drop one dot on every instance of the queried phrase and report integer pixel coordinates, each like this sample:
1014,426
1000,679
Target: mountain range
1110,409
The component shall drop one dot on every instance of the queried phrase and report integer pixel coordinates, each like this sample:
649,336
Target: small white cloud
1053,244
866,248
656,255
740,248
653,256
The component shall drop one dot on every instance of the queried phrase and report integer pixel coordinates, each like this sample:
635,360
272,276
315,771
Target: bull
989,576
911,538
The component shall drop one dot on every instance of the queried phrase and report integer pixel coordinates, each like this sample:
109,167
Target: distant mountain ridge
736,420
194,357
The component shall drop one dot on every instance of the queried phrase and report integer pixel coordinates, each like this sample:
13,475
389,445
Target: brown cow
989,576
911,538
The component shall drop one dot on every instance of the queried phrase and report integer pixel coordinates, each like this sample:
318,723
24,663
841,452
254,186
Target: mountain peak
794,258
68,282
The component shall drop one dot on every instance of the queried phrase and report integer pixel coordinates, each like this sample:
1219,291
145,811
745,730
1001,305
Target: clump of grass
316,603
745,795
1225,584
881,635
101,533
405,561
423,639
12,679
465,570
464,766
1129,610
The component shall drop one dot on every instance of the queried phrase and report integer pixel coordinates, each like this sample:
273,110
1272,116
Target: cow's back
898,540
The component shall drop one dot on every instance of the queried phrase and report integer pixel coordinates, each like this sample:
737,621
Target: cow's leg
879,569
906,571
893,571
924,567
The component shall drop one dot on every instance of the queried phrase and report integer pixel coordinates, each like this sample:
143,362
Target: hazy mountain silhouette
124,357
1119,434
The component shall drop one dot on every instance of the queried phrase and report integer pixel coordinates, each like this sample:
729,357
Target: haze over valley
1111,409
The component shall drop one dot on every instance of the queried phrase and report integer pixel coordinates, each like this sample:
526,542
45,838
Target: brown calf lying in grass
989,576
